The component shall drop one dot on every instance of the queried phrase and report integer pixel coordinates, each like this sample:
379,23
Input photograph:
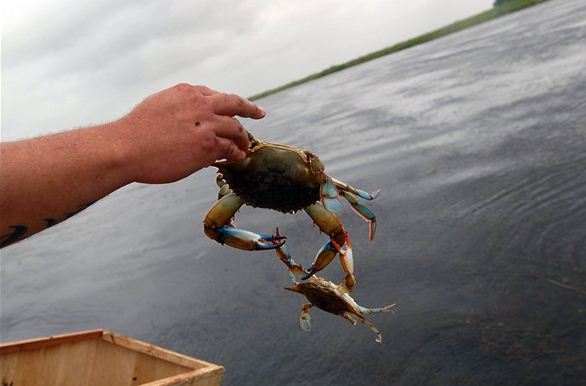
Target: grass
496,11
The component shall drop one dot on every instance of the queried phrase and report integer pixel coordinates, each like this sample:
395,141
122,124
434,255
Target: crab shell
326,295
276,176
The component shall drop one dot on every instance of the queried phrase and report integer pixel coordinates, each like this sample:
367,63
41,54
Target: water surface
478,141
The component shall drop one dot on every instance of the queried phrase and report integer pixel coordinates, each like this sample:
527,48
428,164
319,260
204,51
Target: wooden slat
112,365
74,366
157,352
8,367
201,377
33,344
99,357
28,368
65,364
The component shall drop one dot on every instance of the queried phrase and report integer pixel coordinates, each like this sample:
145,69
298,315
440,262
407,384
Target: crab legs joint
351,195
328,223
218,225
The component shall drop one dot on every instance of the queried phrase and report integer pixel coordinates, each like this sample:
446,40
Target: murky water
478,141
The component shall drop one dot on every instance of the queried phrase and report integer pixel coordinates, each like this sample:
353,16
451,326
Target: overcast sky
72,63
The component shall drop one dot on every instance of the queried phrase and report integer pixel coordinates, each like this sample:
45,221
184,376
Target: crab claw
219,226
362,211
324,256
330,196
296,271
250,241
367,196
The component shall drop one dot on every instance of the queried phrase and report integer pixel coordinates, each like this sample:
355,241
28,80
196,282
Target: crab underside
286,179
330,297
271,191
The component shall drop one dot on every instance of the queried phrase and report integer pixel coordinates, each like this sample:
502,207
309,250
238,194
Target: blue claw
367,215
334,205
366,195
249,241
362,211
324,256
328,189
344,187
330,196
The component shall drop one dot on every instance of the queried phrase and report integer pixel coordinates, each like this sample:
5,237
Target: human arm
165,138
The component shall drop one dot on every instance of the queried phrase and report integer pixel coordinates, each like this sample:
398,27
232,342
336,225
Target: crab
330,297
286,179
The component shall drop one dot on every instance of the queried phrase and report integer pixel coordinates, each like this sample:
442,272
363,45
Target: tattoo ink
50,222
17,233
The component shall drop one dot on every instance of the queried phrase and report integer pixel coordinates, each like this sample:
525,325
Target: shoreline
493,13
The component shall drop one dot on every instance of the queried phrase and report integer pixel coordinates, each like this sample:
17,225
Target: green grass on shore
499,10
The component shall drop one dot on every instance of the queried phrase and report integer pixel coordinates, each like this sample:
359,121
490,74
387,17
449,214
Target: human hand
183,129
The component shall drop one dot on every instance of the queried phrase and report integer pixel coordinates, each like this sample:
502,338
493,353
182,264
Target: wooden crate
99,357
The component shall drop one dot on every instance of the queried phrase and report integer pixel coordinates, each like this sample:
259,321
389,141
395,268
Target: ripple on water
477,140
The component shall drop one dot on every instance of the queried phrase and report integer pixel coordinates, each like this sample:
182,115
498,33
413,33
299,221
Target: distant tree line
499,2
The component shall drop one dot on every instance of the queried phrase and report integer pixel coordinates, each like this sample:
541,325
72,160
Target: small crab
330,297
286,179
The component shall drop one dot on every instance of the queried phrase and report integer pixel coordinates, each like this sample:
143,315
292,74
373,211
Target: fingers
232,129
206,91
227,149
224,104
231,105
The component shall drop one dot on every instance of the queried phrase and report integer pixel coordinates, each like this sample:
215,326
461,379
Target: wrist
121,157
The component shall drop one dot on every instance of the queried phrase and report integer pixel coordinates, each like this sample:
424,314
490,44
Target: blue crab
330,297
286,179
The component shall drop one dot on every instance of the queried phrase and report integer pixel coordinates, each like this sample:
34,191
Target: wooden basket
97,358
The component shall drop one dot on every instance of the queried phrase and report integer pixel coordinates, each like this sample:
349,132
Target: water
478,141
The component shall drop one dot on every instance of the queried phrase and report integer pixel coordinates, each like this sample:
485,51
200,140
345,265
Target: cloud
69,63
71,37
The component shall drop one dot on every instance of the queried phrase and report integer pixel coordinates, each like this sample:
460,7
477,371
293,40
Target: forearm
46,180
165,138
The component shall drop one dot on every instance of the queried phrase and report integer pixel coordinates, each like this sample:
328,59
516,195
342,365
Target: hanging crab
330,297
286,179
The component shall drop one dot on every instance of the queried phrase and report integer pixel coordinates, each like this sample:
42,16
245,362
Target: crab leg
347,260
370,311
330,225
330,196
351,194
217,227
304,319
323,258
346,315
224,190
296,271
349,188
360,318
362,211
223,185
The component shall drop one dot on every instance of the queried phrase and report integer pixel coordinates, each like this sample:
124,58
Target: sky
68,64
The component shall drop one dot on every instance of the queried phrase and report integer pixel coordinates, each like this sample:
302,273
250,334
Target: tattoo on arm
16,234
50,222
18,231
